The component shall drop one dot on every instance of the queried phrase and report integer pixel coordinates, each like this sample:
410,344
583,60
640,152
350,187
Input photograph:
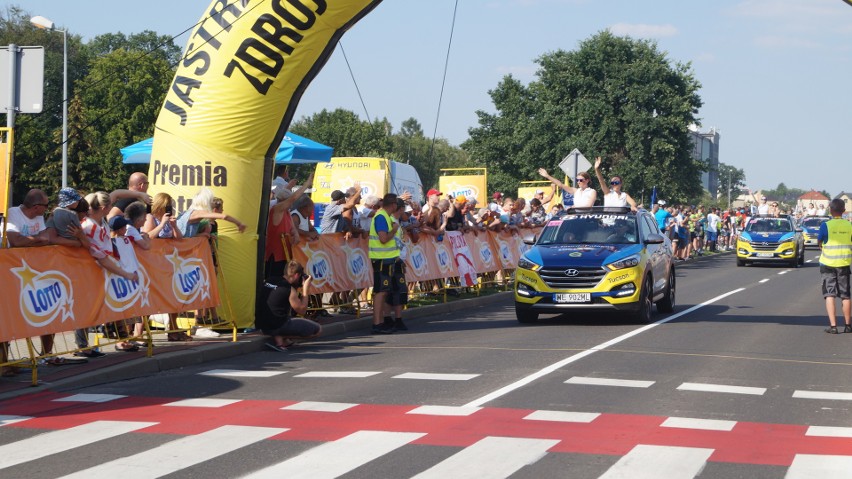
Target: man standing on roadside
835,242
384,252
713,221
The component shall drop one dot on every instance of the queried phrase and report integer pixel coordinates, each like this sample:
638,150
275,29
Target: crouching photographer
286,295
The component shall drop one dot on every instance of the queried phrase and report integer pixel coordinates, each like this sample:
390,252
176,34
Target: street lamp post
46,24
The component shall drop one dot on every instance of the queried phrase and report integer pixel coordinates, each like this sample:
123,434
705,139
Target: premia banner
246,65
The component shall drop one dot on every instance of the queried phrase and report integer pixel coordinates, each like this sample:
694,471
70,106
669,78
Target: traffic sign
574,163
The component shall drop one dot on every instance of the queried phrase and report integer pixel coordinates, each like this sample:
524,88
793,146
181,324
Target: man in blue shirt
662,215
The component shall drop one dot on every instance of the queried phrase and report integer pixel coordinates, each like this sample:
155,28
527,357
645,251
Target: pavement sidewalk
118,366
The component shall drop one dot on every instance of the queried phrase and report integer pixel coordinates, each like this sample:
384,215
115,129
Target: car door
655,253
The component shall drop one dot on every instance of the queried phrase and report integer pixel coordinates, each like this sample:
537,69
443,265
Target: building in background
705,148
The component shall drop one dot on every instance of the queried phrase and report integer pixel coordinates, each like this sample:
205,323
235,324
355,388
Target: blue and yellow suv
810,229
598,258
771,239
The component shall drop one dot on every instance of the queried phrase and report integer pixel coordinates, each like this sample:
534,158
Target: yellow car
770,239
597,259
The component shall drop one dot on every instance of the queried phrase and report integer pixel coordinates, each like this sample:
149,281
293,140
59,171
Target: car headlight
525,290
524,263
627,262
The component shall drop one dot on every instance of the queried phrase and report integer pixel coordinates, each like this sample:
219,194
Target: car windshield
769,225
590,229
813,222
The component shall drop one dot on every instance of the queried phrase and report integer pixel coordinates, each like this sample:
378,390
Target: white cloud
779,41
642,30
705,57
792,9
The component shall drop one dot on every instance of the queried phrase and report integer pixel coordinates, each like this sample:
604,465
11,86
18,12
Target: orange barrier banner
57,288
482,252
429,259
335,264
507,248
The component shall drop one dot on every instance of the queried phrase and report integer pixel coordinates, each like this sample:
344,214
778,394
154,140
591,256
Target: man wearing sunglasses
613,195
584,195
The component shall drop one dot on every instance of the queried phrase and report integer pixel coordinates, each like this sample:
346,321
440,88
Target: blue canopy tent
293,149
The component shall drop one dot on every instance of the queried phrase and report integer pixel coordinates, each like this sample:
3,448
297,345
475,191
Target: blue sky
774,73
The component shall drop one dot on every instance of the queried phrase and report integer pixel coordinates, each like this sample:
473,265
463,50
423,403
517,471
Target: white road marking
437,377
55,442
785,271
835,396
177,455
829,431
319,406
626,383
653,462
238,373
90,398
763,280
491,457
333,459
809,466
562,416
444,410
808,261
203,402
721,388
338,374
560,364
6,420
703,424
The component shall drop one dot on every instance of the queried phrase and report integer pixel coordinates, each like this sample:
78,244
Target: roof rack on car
598,209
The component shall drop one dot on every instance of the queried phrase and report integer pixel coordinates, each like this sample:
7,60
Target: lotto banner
465,185
57,288
482,253
507,247
335,264
429,259
246,66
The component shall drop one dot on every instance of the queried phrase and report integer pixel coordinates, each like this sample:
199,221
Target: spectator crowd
95,223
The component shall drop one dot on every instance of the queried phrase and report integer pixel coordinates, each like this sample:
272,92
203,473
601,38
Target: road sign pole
12,106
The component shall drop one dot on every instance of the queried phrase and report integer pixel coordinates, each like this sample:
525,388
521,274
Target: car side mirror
529,239
655,238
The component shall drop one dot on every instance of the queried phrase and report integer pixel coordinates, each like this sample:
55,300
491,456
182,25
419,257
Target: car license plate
765,255
572,298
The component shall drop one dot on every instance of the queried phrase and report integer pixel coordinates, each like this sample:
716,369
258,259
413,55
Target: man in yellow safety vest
384,253
835,241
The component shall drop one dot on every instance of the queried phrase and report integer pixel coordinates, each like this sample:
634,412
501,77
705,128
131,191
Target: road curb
170,360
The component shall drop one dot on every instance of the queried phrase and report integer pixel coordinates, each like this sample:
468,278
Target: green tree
349,136
733,178
38,136
118,105
614,97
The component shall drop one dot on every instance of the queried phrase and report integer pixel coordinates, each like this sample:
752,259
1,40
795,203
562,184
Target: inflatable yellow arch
247,64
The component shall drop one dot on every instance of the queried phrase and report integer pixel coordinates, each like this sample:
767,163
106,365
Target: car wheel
802,257
794,263
740,262
525,315
667,304
643,313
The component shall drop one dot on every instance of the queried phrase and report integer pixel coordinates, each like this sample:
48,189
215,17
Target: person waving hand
613,196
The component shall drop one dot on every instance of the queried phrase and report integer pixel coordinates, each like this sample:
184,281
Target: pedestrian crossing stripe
576,432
